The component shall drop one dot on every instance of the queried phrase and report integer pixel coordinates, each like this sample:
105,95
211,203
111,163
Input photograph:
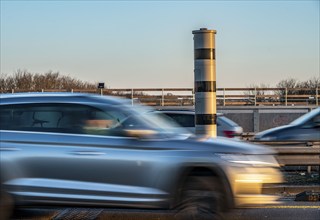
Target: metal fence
225,96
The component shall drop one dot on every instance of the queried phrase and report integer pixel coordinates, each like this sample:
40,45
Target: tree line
307,87
24,80
287,90
290,86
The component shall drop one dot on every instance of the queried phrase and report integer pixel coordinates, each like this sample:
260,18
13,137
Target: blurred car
71,149
185,118
304,128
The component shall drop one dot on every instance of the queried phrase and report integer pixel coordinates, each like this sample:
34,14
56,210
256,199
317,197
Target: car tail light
229,134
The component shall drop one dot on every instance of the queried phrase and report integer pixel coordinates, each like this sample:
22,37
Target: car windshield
306,117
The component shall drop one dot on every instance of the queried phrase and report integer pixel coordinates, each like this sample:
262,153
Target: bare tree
258,90
292,87
312,85
300,88
24,80
288,83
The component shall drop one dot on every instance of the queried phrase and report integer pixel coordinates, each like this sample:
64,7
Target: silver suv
78,149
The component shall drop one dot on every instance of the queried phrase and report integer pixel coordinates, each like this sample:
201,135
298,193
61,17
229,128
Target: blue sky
148,44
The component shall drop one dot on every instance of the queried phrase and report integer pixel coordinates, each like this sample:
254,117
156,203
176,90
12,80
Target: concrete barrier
259,118
254,119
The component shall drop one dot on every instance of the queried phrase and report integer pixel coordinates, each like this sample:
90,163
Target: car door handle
84,153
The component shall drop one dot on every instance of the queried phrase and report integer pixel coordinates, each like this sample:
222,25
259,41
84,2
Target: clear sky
149,44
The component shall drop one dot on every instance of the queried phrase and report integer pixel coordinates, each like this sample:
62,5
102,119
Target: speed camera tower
205,82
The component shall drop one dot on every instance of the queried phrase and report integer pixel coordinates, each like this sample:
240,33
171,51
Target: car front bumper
247,185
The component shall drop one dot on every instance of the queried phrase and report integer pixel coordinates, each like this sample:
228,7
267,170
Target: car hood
227,145
271,131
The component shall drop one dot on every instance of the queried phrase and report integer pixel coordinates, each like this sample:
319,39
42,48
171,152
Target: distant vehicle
185,118
304,128
87,150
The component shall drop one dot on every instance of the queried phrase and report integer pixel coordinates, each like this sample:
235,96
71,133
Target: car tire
6,205
201,199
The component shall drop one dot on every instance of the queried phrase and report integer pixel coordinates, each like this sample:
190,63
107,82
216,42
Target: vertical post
193,98
309,168
42,90
286,96
162,98
224,96
205,82
132,97
256,121
71,90
255,96
101,91
12,91
317,93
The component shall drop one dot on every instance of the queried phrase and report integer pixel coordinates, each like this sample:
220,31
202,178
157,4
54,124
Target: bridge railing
225,96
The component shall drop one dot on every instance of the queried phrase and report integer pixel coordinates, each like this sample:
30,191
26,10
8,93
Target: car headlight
254,160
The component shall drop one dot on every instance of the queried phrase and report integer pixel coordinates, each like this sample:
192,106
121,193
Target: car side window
185,120
31,117
5,118
61,118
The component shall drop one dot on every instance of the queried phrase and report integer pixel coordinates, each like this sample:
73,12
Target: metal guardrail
225,96
291,153
298,156
295,153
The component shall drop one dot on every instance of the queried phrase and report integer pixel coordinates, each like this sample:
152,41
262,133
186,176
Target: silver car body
185,118
304,128
41,164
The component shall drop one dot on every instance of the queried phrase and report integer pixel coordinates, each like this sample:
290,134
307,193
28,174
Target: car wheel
201,199
6,205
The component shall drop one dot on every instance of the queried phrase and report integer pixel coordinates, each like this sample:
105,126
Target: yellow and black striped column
205,82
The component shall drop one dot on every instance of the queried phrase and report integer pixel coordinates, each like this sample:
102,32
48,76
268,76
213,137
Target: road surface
288,210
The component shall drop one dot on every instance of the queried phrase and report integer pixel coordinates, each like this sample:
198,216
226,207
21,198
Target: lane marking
290,207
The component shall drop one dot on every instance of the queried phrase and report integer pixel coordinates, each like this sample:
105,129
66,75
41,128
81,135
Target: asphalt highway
287,210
